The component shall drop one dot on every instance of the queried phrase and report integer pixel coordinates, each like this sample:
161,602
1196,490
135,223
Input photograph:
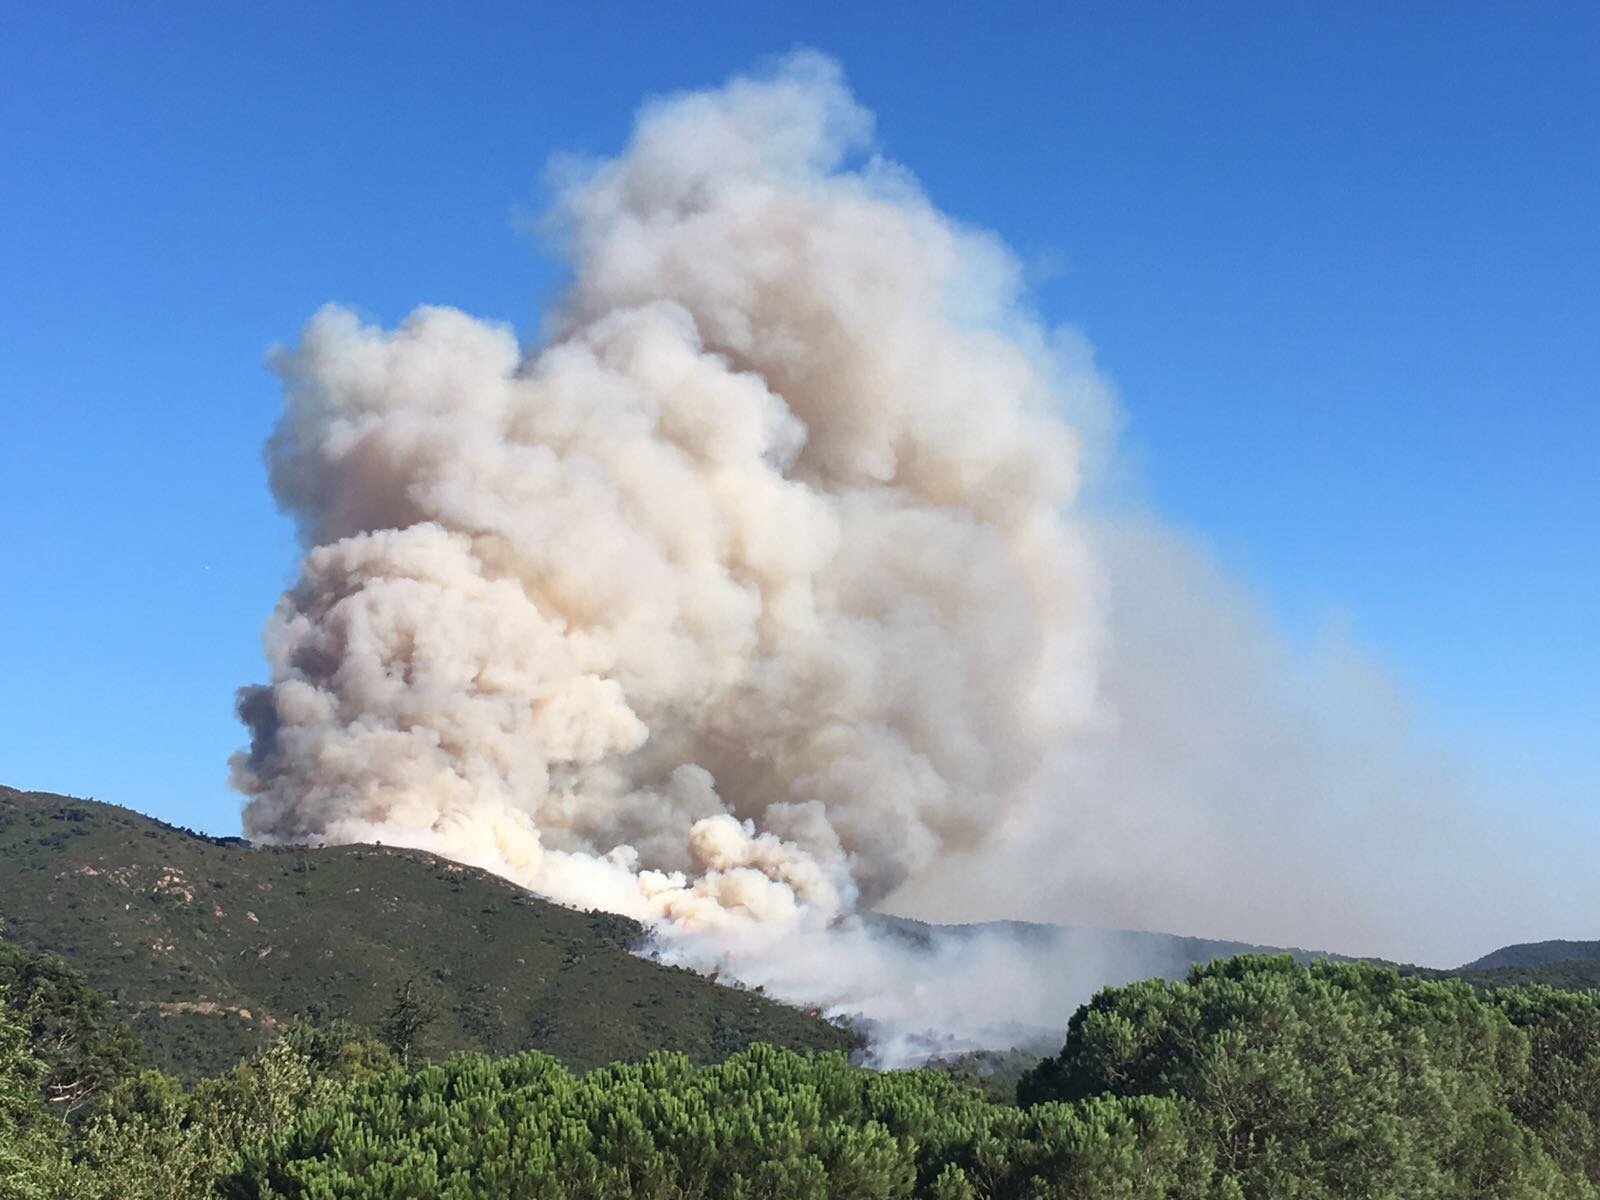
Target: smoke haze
753,598
1239,788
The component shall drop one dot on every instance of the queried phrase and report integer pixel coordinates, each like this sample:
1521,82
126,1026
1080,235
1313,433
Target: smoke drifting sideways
1243,786
742,601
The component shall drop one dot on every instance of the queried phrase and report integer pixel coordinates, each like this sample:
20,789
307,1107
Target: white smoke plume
741,601
753,598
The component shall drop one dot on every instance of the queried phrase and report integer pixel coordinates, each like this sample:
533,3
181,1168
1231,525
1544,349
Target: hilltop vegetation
206,947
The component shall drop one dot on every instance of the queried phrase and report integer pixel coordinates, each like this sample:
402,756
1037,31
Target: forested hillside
207,946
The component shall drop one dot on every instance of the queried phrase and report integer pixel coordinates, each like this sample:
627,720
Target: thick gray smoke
742,601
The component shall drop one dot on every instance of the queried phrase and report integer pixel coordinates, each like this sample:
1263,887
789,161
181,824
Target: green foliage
152,1140
766,1123
405,1021
1255,1078
1560,1097
339,1048
1343,1079
33,1162
995,1073
81,1051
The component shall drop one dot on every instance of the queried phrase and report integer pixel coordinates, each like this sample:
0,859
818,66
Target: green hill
205,945
1536,954
1570,966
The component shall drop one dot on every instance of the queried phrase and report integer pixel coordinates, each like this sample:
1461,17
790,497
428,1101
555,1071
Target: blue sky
1341,261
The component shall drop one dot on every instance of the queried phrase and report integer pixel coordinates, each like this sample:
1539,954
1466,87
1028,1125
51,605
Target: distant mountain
1534,954
206,944
1122,955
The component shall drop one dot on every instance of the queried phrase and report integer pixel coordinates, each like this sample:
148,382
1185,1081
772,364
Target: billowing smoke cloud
753,599
746,598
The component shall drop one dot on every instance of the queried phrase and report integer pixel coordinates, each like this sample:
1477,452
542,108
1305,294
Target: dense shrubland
1255,1078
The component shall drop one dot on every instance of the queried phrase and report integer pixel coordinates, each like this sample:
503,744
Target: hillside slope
204,945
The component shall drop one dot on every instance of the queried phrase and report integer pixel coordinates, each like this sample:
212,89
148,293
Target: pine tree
405,1021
